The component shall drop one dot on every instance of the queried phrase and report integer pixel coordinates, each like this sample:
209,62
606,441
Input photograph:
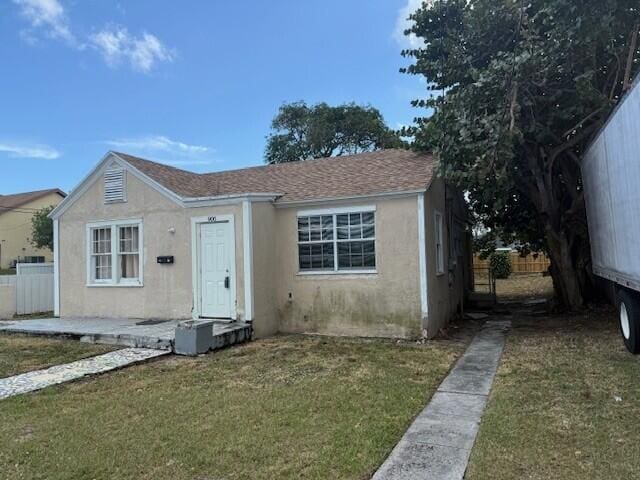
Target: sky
190,83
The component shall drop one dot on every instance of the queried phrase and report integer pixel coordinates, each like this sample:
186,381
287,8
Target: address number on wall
211,219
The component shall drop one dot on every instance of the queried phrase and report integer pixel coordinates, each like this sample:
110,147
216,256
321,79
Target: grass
520,287
565,404
287,407
21,353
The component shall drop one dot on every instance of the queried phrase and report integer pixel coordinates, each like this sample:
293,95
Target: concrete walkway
38,379
438,443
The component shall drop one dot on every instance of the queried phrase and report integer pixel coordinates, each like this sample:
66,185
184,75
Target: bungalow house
372,244
16,211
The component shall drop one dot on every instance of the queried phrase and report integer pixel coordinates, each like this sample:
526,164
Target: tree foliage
527,85
302,132
500,264
42,229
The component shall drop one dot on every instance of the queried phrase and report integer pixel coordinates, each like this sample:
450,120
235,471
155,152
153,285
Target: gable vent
114,186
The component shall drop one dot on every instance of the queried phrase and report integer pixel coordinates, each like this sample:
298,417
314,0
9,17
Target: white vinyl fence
34,293
33,268
7,279
33,288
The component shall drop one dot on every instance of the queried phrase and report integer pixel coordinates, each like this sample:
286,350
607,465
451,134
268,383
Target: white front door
215,269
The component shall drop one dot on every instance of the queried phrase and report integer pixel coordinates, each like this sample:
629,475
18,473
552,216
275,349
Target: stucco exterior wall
264,270
15,231
7,301
385,304
167,290
445,290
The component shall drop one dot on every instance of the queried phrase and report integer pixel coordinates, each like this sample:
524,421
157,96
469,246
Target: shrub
500,264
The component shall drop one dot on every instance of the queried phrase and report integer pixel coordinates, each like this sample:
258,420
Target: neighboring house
16,211
369,245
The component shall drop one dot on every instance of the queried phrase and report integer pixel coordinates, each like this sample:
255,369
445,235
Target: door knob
226,281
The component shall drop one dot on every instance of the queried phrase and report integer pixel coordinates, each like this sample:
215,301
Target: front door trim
195,260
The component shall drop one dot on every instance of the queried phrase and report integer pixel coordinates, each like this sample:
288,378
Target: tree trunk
566,280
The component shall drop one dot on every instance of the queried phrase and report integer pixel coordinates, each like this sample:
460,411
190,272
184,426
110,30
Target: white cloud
403,23
16,150
46,15
116,45
180,153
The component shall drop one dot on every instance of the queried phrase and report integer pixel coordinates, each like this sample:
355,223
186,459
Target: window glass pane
303,235
327,256
368,231
128,239
129,266
314,222
343,233
342,220
315,235
303,223
344,261
101,240
355,232
327,227
304,256
101,267
356,255
369,261
354,219
367,218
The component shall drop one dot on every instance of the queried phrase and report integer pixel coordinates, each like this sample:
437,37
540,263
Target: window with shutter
114,188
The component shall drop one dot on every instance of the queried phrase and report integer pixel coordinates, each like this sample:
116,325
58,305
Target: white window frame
335,241
438,224
115,280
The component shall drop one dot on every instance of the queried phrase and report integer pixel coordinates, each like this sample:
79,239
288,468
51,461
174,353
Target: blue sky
193,83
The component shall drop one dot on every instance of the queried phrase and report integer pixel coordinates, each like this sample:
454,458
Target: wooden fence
528,264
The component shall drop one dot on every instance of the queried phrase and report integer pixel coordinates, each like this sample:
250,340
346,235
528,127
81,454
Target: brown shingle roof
384,171
15,200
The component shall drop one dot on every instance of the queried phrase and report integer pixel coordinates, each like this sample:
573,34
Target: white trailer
611,178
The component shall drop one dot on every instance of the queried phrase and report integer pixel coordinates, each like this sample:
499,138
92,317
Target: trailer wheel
629,317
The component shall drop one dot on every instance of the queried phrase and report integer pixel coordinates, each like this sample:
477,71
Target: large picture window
114,251
340,241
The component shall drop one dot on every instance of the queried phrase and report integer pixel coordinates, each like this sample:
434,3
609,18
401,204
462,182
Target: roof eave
311,201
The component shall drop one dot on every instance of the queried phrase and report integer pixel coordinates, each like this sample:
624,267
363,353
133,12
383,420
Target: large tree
42,229
519,90
302,132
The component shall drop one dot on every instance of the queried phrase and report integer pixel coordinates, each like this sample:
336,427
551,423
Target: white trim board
56,268
247,242
195,262
422,258
333,200
337,210
184,202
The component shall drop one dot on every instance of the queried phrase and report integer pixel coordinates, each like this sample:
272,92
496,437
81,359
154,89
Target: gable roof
373,173
15,200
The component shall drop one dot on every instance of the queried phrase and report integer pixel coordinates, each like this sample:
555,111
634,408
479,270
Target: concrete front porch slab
128,332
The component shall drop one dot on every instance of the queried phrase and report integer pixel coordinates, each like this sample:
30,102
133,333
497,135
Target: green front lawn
21,353
288,407
565,404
